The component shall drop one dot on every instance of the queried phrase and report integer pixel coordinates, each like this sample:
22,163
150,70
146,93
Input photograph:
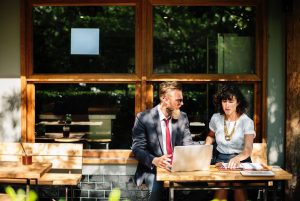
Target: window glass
114,26
204,39
198,104
101,115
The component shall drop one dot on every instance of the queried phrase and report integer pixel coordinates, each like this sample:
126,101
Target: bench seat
60,179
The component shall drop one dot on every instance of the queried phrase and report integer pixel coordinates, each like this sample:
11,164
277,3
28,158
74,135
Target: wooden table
187,180
15,170
90,138
76,137
52,137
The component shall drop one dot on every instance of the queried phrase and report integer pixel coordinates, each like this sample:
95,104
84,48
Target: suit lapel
157,125
174,131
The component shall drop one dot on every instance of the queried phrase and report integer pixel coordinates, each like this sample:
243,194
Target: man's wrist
153,163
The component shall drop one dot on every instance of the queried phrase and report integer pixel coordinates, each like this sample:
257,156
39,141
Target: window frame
143,78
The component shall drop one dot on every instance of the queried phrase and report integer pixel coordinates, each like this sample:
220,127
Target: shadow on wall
275,139
276,126
10,113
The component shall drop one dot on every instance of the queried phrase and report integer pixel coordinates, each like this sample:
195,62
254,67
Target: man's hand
163,162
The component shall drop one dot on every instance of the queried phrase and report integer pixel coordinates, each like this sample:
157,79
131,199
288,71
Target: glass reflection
101,115
204,39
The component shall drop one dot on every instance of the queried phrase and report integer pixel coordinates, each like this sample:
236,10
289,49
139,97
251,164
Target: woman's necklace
228,135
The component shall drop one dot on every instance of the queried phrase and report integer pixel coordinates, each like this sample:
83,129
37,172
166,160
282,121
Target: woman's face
229,106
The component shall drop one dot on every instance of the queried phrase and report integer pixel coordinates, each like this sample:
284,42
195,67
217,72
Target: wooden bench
66,161
4,197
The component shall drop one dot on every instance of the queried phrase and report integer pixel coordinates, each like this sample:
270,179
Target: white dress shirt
244,126
163,129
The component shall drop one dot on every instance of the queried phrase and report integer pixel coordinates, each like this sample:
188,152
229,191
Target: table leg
277,185
171,192
66,193
27,189
265,193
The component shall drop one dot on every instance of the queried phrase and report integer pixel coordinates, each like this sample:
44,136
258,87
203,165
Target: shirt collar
161,114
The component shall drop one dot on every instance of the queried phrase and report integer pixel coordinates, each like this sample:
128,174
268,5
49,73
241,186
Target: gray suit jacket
148,143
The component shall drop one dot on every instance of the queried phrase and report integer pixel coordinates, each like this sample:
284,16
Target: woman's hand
219,164
163,161
234,163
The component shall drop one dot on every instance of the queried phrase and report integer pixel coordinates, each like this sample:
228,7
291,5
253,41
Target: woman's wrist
239,158
242,157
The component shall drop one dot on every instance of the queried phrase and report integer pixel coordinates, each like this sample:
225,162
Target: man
152,146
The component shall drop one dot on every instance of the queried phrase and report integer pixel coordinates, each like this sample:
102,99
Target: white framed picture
85,41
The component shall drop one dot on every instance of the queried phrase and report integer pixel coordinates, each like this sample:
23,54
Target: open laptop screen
192,158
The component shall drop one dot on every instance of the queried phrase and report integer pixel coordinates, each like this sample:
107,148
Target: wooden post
293,98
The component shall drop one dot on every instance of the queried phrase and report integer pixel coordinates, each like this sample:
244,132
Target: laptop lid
192,158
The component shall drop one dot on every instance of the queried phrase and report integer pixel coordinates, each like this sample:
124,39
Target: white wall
10,115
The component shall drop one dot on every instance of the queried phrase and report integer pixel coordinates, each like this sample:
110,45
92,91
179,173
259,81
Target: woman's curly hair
227,92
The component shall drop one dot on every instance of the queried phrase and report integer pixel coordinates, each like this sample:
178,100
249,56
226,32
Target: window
204,39
138,44
99,112
52,28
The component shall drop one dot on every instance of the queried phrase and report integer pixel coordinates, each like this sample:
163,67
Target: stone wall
96,184
99,180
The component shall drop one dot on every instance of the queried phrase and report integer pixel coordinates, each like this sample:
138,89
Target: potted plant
66,127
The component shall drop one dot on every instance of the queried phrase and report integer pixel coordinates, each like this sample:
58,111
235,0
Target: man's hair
166,87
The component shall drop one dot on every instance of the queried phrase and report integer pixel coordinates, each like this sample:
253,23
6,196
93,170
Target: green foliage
115,195
20,195
68,118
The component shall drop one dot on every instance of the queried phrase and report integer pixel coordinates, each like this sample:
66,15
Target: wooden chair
259,153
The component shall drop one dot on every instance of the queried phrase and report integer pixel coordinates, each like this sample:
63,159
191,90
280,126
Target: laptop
191,158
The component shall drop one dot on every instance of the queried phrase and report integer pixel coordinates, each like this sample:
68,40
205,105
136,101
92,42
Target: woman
233,131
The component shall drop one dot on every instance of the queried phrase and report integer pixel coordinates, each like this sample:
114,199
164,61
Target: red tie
168,139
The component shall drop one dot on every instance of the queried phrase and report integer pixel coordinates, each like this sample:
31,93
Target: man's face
174,100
